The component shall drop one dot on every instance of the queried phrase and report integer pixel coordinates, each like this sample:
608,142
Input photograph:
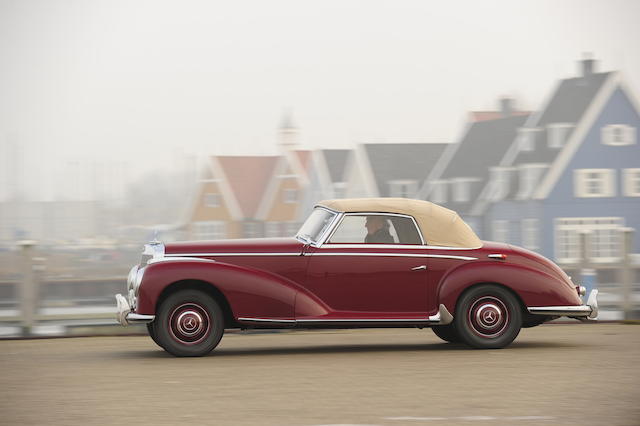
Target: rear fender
533,286
250,292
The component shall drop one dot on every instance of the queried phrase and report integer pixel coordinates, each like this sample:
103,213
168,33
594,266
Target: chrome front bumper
126,317
588,311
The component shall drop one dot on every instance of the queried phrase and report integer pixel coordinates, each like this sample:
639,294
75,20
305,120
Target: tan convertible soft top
439,226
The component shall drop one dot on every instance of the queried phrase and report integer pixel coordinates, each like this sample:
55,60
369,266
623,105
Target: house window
290,196
439,192
589,183
618,135
212,199
461,190
530,234
500,230
527,139
291,229
403,188
530,175
251,229
209,230
272,229
632,182
603,232
557,134
500,182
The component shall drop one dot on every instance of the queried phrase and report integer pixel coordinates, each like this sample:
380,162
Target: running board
443,317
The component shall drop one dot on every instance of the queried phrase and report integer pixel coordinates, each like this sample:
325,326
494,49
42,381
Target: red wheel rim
488,317
189,324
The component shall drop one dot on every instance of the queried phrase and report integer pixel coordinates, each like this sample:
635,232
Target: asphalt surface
584,374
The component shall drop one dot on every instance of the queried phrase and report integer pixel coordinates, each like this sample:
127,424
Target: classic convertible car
378,262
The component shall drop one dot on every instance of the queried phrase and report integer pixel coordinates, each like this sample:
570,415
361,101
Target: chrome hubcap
189,323
488,317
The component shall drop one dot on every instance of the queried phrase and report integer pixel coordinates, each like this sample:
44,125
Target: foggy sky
145,82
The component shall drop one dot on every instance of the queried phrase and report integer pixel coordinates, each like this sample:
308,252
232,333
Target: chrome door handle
419,268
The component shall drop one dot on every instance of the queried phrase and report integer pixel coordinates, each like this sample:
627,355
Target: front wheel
189,323
488,317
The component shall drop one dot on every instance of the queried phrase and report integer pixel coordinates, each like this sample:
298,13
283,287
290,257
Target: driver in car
377,231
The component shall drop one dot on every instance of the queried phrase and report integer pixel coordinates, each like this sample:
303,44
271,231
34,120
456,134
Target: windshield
316,224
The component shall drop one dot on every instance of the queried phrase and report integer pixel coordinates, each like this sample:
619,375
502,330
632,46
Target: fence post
28,287
626,271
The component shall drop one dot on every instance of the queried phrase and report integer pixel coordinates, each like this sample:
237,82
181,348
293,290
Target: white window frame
500,182
527,138
461,190
582,180
438,192
339,189
212,199
210,230
602,231
500,230
607,135
290,196
557,134
251,229
531,233
631,182
403,188
528,177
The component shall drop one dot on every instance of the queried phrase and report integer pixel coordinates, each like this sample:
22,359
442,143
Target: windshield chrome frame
322,238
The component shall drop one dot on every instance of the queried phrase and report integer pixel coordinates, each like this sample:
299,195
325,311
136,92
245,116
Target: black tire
488,317
189,323
152,333
447,333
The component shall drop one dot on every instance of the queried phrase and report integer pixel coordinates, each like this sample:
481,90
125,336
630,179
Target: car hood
252,245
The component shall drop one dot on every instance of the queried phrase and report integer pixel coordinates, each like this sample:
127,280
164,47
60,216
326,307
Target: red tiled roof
248,177
304,156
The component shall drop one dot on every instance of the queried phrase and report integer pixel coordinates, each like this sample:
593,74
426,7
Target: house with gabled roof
252,196
457,180
574,167
390,169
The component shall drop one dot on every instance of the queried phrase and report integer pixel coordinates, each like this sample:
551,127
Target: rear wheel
488,317
189,323
446,333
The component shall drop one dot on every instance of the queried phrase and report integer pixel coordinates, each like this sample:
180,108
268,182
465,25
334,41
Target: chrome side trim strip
139,318
188,255
436,256
174,258
395,246
287,321
443,317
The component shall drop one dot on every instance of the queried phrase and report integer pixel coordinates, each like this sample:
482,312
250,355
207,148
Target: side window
376,229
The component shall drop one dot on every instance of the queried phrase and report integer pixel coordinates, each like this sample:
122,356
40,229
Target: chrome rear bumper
126,317
589,311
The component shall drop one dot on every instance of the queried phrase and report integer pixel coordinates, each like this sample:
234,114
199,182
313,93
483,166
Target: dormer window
212,199
403,188
527,138
530,175
557,134
339,189
618,135
290,196
462,190
438,192
500,182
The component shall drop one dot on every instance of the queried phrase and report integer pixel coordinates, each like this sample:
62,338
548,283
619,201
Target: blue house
574,166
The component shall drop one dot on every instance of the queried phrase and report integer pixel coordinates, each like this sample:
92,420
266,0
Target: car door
384,276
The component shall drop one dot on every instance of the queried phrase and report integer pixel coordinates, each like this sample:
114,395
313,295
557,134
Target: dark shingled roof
336,160
482,147
399,161
567,105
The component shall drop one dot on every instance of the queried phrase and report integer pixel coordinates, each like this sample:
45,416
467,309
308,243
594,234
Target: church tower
288,133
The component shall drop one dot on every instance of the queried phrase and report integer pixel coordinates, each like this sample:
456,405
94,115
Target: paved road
553,374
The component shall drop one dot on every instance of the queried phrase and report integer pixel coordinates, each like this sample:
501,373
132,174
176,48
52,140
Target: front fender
533,286
250,292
